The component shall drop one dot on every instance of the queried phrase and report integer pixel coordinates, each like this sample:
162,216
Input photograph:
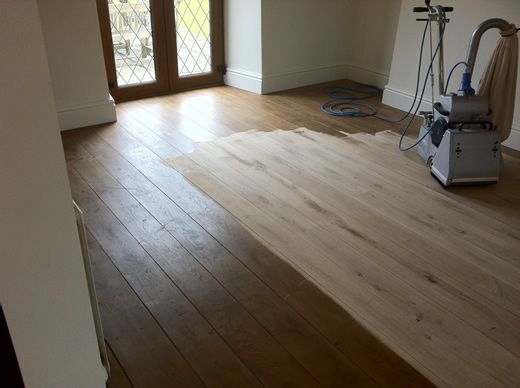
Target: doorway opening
155,47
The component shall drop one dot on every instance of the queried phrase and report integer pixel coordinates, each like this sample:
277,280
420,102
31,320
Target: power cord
341,105
405,130
342,97
451,72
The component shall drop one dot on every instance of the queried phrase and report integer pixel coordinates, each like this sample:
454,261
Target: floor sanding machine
458,137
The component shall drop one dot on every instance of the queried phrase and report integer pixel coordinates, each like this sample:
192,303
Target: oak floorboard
382,365
490,200
310,261
400,194
236,183
387,369
255,303
447,328
501,290
179,319
128,325
318,356
370,192
420,270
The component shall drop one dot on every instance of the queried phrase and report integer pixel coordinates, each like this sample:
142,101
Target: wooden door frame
165,53
216,77
161,84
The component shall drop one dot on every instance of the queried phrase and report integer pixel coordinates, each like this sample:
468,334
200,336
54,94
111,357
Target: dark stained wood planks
196,339
128,325
118,377
324,362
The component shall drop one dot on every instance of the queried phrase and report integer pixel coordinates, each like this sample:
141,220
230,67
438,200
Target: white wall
467,16
43,288
303,42
371,30
243,44
73,43
275,45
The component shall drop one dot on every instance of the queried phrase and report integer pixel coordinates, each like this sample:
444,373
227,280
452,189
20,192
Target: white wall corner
302,77
243,79
271,83
513,141
400,99
84,115
366,76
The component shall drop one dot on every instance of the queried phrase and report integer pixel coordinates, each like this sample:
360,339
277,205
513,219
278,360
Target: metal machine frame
459,141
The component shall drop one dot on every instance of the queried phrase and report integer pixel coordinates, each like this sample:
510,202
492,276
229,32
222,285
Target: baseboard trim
78,116
366,76
243,79
302,77
271,83
403,100
513,141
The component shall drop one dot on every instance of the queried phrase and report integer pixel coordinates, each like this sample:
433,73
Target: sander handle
426,9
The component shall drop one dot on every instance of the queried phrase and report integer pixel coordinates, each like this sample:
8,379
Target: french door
154,47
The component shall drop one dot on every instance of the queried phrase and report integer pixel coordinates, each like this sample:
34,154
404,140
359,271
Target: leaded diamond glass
192,25
131,27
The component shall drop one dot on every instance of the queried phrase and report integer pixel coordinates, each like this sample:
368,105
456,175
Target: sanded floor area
188,297
434,273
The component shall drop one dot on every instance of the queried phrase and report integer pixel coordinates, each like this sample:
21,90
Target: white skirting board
270,83
302,77
366,76
84,115
243,79
401,99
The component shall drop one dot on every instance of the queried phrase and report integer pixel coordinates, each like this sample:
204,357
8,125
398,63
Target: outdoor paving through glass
133,41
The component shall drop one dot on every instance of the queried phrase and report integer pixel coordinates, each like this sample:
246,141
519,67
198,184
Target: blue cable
405,130
451,72
340,105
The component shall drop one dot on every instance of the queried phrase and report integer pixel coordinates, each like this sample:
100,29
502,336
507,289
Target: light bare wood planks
434,273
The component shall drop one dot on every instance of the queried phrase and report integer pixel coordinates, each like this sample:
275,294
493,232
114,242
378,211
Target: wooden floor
189,297
405,257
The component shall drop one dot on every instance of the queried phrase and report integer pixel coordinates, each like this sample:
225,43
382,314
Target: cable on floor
345,100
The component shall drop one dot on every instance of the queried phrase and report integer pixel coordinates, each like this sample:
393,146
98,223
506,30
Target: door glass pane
192,25
131,27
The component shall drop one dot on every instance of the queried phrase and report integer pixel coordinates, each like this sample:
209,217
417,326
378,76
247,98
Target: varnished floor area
189,297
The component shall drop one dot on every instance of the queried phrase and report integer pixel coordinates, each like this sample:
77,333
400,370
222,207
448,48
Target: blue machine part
437,130
465,86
